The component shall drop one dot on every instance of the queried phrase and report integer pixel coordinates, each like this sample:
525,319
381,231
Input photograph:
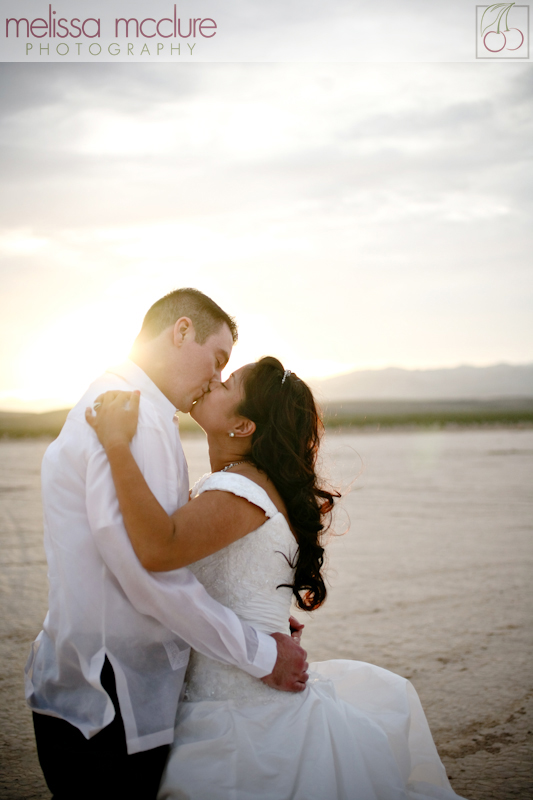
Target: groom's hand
290,670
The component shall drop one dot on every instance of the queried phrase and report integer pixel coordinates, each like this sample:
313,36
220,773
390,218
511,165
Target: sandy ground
432,581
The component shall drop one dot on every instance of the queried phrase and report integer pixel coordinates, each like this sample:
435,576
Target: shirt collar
137,377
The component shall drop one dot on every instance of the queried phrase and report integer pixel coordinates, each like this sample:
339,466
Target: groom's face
198,366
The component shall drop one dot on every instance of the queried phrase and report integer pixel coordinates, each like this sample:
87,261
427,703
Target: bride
252,535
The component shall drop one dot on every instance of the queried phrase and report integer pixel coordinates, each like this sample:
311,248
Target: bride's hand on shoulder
114,417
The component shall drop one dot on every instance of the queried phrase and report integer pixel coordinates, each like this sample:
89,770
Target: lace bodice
245,577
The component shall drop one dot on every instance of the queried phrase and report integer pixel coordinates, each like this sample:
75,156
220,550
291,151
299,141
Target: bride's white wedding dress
357,732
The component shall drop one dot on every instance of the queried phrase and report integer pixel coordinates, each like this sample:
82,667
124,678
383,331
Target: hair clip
285,375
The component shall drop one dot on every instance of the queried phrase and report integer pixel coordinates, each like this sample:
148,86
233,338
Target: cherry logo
495,29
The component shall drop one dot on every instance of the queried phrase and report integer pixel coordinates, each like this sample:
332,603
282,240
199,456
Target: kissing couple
168,665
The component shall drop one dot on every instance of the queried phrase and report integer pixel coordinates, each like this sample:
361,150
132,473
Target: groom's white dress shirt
101,600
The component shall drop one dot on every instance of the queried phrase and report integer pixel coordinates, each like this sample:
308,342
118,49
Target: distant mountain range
501,394
457,383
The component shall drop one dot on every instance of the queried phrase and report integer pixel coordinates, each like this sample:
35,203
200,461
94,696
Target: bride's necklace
234,464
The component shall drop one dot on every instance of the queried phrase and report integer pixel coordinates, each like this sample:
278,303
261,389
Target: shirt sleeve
176,599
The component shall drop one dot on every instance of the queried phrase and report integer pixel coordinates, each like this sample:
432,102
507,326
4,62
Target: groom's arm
177,599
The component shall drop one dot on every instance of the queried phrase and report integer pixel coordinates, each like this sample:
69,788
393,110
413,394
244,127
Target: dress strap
240,486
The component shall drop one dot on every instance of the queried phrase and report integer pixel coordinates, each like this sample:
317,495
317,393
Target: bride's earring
231,434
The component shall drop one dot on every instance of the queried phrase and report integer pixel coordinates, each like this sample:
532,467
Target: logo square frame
504,53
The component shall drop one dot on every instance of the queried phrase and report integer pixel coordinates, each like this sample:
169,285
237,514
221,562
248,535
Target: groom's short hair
205,314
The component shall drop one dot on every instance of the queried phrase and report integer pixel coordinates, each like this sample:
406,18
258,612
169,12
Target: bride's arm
162,542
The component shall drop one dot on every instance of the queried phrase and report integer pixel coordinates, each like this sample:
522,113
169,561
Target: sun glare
64,358
21,242
54,371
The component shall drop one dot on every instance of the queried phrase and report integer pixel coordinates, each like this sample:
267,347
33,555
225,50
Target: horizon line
16,405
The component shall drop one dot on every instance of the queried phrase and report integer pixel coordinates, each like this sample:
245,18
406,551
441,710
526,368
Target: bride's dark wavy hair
285,447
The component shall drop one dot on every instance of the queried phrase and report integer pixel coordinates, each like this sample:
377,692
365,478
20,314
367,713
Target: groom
105,674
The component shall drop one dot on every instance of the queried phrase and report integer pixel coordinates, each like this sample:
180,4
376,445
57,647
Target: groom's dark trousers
99,768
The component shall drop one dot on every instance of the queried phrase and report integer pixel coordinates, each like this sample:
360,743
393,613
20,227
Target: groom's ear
183,329
245,427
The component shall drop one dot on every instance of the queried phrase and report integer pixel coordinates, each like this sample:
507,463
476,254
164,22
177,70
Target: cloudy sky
349,215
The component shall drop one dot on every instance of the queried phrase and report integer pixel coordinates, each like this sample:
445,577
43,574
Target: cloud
394,198
126,86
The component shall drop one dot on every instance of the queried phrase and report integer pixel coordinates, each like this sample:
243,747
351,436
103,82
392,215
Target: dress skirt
357,732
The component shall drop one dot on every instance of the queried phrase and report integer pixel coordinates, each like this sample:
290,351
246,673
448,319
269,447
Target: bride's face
216,411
